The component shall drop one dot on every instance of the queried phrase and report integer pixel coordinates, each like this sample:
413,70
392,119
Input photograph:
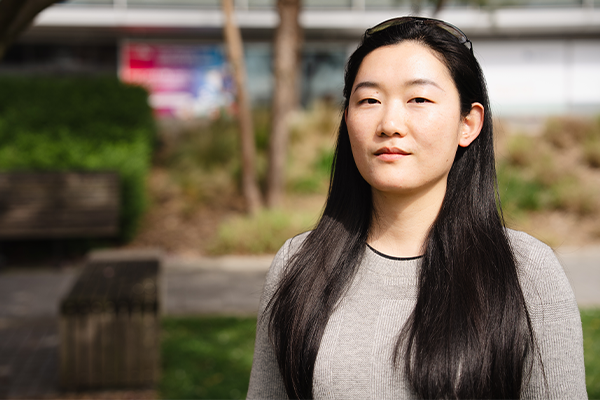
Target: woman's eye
419,100
369,101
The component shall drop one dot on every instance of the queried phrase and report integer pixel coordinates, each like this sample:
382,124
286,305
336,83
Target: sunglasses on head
453,30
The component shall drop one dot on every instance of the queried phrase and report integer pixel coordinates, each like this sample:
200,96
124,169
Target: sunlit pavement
582,266
190,286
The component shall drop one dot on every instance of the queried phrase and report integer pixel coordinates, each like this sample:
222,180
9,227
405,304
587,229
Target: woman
410,286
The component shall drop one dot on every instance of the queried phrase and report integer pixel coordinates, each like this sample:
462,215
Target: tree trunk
285,95
235,54
16,16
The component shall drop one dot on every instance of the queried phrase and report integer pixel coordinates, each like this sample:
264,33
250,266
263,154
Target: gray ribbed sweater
354,360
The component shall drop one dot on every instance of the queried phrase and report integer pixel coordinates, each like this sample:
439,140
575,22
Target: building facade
540,57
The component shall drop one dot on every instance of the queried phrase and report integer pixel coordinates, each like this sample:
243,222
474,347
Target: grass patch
261,233
211,357
207,357
590,319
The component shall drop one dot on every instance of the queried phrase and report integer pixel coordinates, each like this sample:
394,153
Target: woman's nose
392,121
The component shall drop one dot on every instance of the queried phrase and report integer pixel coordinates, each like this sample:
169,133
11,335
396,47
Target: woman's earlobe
471,125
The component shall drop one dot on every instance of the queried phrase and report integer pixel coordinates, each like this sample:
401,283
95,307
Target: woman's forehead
403,63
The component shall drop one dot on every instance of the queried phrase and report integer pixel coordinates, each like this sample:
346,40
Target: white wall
541,77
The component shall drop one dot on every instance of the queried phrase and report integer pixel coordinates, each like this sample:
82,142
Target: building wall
540,58
554,76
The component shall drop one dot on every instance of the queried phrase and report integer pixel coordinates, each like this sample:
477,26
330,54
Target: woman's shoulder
525,245
542,277
281,259
289,248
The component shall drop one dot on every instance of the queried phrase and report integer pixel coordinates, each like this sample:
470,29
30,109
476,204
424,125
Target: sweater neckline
394,267
379,253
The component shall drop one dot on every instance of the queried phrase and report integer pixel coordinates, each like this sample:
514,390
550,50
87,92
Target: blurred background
172,146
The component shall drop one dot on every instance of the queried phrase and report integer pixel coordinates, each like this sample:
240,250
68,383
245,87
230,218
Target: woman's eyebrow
414,82
423,82
366,84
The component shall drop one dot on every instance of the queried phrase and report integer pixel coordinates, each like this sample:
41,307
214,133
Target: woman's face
404,119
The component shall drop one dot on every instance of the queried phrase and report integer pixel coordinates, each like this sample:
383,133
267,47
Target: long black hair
469,333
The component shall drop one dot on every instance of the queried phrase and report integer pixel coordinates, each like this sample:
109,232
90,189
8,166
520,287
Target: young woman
410,286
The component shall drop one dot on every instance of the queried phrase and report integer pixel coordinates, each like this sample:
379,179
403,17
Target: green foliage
590,320
317,179
79,124
324,162
531,179
263,232
311,152
262,129
307,184
204,158
519,192
208,146
206,357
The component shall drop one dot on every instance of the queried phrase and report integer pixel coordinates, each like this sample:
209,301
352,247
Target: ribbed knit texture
355,357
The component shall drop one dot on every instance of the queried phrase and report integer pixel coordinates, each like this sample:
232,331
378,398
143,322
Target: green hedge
79,124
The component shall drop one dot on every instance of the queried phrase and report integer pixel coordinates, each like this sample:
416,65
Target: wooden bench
43,205
109,326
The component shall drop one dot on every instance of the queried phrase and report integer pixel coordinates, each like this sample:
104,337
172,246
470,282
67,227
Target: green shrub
79,124
532,178
204,159
520,192
324,162
264,232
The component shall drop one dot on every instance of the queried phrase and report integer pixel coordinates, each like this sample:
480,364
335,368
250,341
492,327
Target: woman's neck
401,222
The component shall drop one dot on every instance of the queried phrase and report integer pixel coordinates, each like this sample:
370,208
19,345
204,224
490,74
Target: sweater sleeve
558,370
265,380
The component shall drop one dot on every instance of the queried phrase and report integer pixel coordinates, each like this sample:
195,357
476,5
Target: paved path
224,285
227,285
582,266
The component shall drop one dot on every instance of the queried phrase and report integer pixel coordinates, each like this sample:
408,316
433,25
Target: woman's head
473,166
405,122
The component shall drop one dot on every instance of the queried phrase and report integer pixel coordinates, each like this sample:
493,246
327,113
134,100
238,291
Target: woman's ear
471,125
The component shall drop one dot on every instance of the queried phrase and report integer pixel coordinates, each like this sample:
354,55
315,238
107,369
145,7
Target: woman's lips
390,153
